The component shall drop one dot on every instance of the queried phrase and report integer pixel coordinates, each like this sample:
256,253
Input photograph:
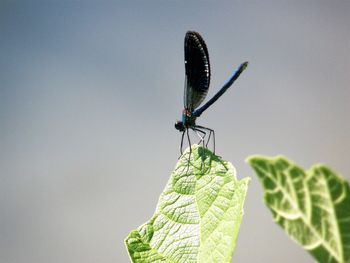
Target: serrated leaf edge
310,172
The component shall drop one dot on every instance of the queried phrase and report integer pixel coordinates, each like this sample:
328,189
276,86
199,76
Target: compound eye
179,126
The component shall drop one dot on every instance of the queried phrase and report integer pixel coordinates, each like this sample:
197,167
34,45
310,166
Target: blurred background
90,91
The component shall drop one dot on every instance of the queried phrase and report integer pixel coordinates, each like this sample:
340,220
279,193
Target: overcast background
89,93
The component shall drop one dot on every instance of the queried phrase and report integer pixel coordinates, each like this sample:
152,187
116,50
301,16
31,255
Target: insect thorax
188,119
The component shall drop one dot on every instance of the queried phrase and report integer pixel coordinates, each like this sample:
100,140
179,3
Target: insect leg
199,132
182,142
211,131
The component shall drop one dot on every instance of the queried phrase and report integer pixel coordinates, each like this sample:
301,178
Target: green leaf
313,206
198,214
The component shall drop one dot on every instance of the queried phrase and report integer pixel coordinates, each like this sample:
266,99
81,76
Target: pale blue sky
89,94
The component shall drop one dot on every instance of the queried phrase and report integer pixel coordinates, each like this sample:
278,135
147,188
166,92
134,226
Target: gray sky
89,94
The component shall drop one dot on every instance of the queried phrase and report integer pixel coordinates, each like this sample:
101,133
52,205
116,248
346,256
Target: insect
197,80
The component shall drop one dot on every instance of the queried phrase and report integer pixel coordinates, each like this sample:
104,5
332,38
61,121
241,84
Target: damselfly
197,80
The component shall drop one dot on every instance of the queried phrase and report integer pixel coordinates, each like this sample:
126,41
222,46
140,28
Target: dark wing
197,70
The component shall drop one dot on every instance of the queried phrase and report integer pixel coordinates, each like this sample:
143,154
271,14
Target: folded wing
197,68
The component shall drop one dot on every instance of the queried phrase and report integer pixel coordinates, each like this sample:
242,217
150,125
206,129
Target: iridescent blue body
188,119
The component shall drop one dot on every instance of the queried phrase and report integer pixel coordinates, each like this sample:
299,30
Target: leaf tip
251,159
256,159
